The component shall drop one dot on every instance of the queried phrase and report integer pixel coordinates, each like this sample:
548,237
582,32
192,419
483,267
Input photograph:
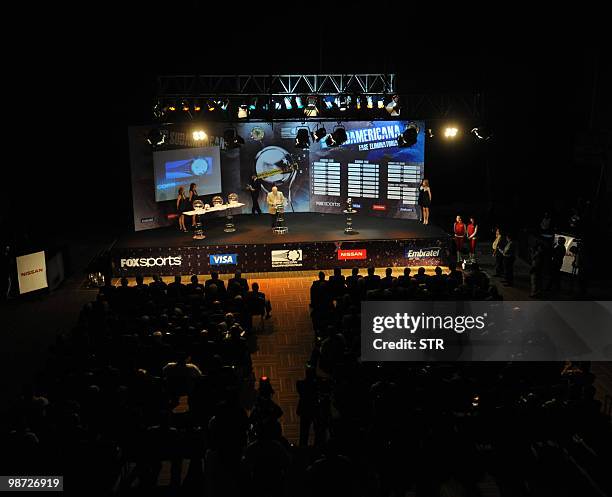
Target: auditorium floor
285,345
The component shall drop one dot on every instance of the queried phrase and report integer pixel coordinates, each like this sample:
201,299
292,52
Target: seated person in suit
337,283
320,293
353,278
404,280
387,281
238,282
421,278
214,280
372,281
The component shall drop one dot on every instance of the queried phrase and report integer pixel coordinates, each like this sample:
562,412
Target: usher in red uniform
459,229
470,231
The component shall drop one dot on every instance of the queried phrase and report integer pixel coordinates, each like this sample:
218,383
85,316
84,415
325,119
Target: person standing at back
509,254
425,200
254,188
459,231
193,196
182,205
558,254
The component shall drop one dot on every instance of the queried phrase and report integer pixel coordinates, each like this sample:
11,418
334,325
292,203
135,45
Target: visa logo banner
352,254
218,259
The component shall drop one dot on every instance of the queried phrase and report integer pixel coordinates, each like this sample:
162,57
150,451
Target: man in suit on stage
275,198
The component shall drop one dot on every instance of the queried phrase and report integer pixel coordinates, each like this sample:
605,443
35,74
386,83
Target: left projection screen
181,167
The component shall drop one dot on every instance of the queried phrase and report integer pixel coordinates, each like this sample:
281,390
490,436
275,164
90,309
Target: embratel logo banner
486,331
411,253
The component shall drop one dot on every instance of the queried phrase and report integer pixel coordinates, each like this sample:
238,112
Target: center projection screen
381,178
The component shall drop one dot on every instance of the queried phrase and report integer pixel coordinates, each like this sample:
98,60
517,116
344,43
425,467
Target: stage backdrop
381,178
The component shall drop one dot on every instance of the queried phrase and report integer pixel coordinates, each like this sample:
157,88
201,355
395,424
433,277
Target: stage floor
314,241
303,227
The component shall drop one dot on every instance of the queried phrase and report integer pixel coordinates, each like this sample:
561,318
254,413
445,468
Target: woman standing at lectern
193,196
182,205
425,200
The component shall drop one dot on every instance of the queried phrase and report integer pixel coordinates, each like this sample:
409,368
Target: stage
314,241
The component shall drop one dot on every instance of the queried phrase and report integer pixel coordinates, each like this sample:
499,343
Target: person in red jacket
472,233
459,230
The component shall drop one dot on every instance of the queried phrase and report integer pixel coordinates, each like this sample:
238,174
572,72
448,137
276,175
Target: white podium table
229,225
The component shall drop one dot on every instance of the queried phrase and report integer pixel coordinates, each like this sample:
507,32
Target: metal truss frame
238,88
280,84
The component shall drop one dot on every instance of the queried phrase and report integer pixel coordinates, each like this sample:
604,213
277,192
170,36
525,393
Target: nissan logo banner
486,331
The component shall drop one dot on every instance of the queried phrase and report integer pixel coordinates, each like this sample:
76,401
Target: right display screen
371,168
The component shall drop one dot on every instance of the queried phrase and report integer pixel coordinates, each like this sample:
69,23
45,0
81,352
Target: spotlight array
199,135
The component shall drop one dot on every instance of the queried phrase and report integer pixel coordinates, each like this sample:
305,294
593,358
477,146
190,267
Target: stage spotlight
288,104
329,102
197,107
253,104
158,110
393,107
172,108
243,111
156,137
450,132
210,105
299,103
482,133
343,102
311,107
319,134
302,139
370,102
223,103
430,133
381,103
232,139
337,137
199,135
185,106
409,136
277,105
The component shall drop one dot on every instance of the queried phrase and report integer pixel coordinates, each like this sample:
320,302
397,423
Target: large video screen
176,168
380,177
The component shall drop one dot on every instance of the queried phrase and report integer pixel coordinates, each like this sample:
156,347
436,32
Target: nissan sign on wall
32,272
